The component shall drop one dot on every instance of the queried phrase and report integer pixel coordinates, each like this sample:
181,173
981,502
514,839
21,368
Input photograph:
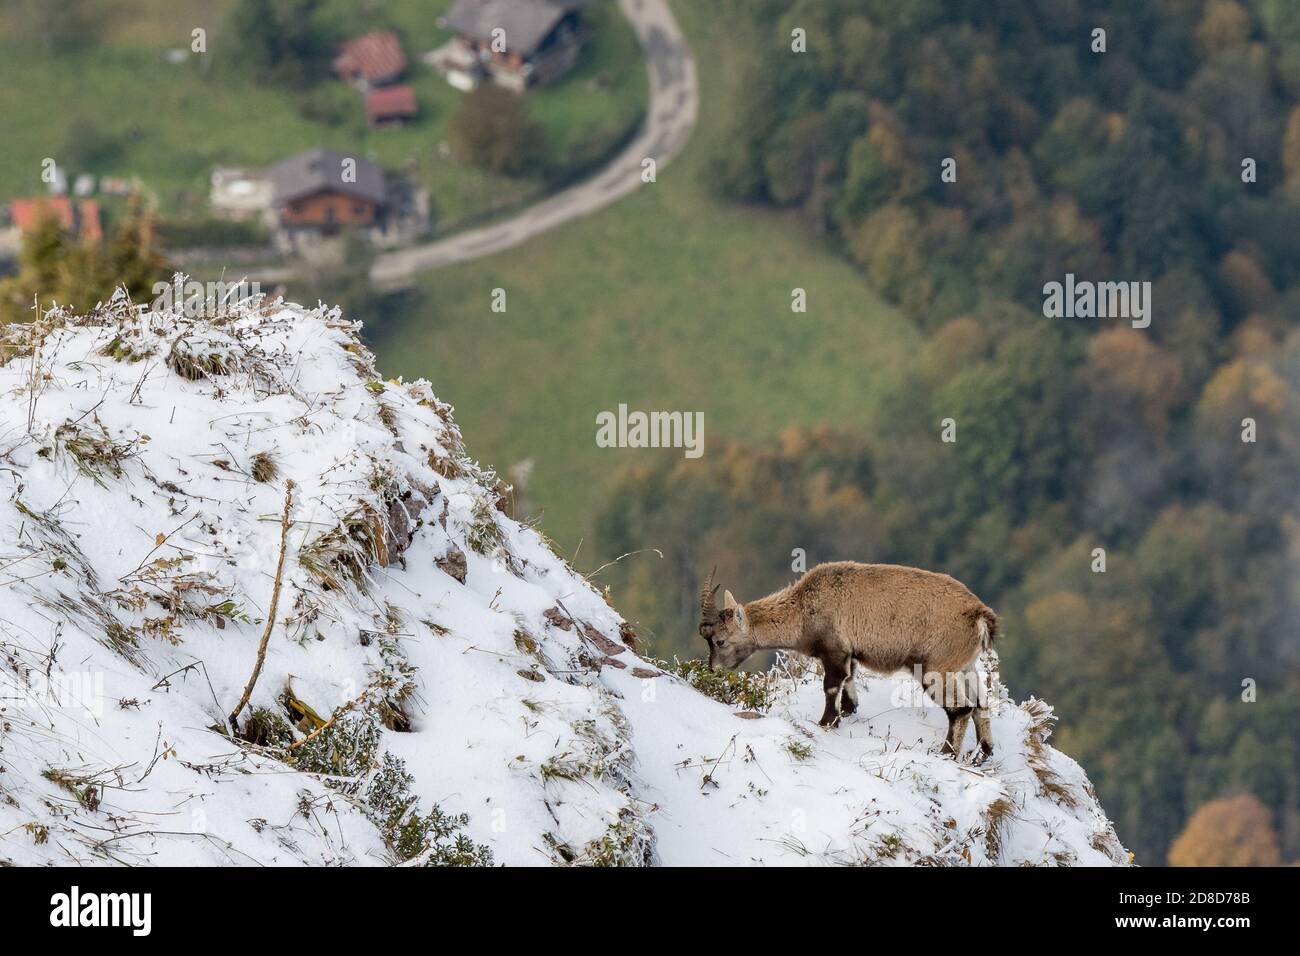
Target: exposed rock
453,563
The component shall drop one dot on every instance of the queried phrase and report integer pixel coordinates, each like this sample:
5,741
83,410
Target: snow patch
144,461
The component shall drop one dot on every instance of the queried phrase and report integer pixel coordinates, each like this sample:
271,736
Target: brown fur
884,617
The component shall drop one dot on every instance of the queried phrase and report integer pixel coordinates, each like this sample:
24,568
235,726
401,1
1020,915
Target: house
322,191
81,218
390,106
514,43
239,193
374,59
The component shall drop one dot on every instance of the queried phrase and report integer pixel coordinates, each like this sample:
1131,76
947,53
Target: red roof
27,213
390,102
375,57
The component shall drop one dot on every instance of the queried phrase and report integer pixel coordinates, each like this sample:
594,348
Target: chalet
81,218
323,191
374,59
514,43
390,106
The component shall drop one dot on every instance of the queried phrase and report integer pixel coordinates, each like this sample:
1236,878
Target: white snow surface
529,712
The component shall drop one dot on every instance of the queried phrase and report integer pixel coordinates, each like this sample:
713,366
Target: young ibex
884,617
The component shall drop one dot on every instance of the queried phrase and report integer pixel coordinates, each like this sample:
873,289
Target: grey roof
526,22
322,169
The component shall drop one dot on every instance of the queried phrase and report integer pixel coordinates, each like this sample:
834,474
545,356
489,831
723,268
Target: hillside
655,302
427,656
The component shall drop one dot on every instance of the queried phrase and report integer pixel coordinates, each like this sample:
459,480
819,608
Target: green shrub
396,812
348,750
740,688
491,129
209,232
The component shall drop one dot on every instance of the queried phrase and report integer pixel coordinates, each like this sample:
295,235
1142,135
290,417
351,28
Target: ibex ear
729,603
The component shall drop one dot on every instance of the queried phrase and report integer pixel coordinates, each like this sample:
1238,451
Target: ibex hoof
830,723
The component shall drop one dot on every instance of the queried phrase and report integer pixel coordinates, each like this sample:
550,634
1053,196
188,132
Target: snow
129,512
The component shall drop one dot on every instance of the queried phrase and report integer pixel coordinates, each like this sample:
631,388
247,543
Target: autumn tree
55,267
1231,831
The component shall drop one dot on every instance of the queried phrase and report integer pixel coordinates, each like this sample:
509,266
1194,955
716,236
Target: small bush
210,232
345,749
491,129
408,833
738,688
797,749
348,751
266,728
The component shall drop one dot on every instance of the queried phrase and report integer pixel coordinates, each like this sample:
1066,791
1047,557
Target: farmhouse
390,106
322,191
373,59
514,43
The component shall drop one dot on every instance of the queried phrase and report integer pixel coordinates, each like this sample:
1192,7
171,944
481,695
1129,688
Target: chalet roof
374,57
84,219
526,22
390,101
320,169
27,213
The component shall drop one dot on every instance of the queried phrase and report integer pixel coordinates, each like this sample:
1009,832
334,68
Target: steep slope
427,658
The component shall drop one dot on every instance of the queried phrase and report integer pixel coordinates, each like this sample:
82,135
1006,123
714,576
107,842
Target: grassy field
116,107
668,300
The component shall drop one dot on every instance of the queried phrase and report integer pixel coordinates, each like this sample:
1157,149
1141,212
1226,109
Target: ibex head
727,631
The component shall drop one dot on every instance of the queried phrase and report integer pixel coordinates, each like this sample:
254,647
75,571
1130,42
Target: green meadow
125,111
668,300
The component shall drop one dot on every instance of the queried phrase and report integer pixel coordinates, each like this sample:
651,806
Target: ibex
884,617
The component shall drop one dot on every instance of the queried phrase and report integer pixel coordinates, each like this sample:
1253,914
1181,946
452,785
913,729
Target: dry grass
388,416
346,552
264,467
94,452
996,817
1050,784
86,790
192,363
446,466
484,535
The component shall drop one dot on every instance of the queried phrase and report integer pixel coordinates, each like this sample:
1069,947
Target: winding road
670,117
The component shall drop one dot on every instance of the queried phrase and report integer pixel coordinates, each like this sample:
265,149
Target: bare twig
270,616
621,557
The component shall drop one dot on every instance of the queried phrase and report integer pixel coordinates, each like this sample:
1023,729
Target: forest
1125,497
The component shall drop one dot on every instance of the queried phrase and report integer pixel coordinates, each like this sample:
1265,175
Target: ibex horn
709,610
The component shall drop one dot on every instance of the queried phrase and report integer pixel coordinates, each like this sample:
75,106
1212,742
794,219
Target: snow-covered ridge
145,461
